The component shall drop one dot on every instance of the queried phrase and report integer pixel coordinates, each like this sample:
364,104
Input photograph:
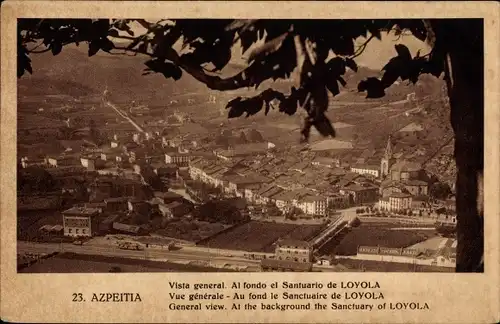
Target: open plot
192,231
257,236
305,232
331,144
431,244
377,236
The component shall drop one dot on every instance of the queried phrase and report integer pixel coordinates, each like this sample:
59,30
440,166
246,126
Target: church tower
387,160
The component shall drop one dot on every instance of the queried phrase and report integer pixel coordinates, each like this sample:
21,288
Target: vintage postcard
264,162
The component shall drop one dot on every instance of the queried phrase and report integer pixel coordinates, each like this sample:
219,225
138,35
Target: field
79,263
331,144
372,119
376,235
257,236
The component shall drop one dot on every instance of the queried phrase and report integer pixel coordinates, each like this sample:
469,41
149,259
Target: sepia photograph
249,162
249,145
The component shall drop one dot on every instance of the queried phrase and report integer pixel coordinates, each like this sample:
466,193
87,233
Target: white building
80,221
293,250
366,169
178,159
313,205
137,137
88,163
395,202
26,162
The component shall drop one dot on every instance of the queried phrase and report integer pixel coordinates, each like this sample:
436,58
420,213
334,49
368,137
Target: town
231,199
152,175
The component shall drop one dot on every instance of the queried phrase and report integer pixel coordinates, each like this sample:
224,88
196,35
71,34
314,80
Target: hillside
121,74
73,76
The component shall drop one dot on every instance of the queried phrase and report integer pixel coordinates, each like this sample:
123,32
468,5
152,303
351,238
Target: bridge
339,226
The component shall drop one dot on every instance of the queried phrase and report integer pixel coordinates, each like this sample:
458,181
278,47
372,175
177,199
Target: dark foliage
286,49
35,179
439,190
219,212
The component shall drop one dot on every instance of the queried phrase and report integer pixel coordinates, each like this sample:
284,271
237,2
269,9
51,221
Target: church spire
388,148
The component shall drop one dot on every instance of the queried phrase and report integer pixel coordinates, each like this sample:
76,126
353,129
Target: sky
376,55
378,52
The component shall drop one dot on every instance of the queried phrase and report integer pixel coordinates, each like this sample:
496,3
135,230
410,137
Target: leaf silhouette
267,48
403,51
351,64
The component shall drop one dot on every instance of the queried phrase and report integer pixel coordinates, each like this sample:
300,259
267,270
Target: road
207,259
123,115
149,254
407,220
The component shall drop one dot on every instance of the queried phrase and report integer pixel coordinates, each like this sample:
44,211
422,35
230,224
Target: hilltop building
26,162
62,161
88,162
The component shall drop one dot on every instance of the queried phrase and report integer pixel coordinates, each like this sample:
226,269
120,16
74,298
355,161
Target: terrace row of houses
443,256
259,189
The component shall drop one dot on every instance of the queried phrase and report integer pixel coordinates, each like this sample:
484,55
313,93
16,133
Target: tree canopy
317,52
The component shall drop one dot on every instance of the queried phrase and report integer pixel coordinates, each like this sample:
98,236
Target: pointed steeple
388,148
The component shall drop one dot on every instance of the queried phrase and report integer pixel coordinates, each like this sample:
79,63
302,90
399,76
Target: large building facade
80,221
293,250
396,202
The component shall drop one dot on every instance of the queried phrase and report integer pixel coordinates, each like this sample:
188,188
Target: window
83,231
76,231
69,230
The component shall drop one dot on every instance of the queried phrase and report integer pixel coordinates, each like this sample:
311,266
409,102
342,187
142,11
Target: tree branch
40,51
235,82
126,37
362,48
144,23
